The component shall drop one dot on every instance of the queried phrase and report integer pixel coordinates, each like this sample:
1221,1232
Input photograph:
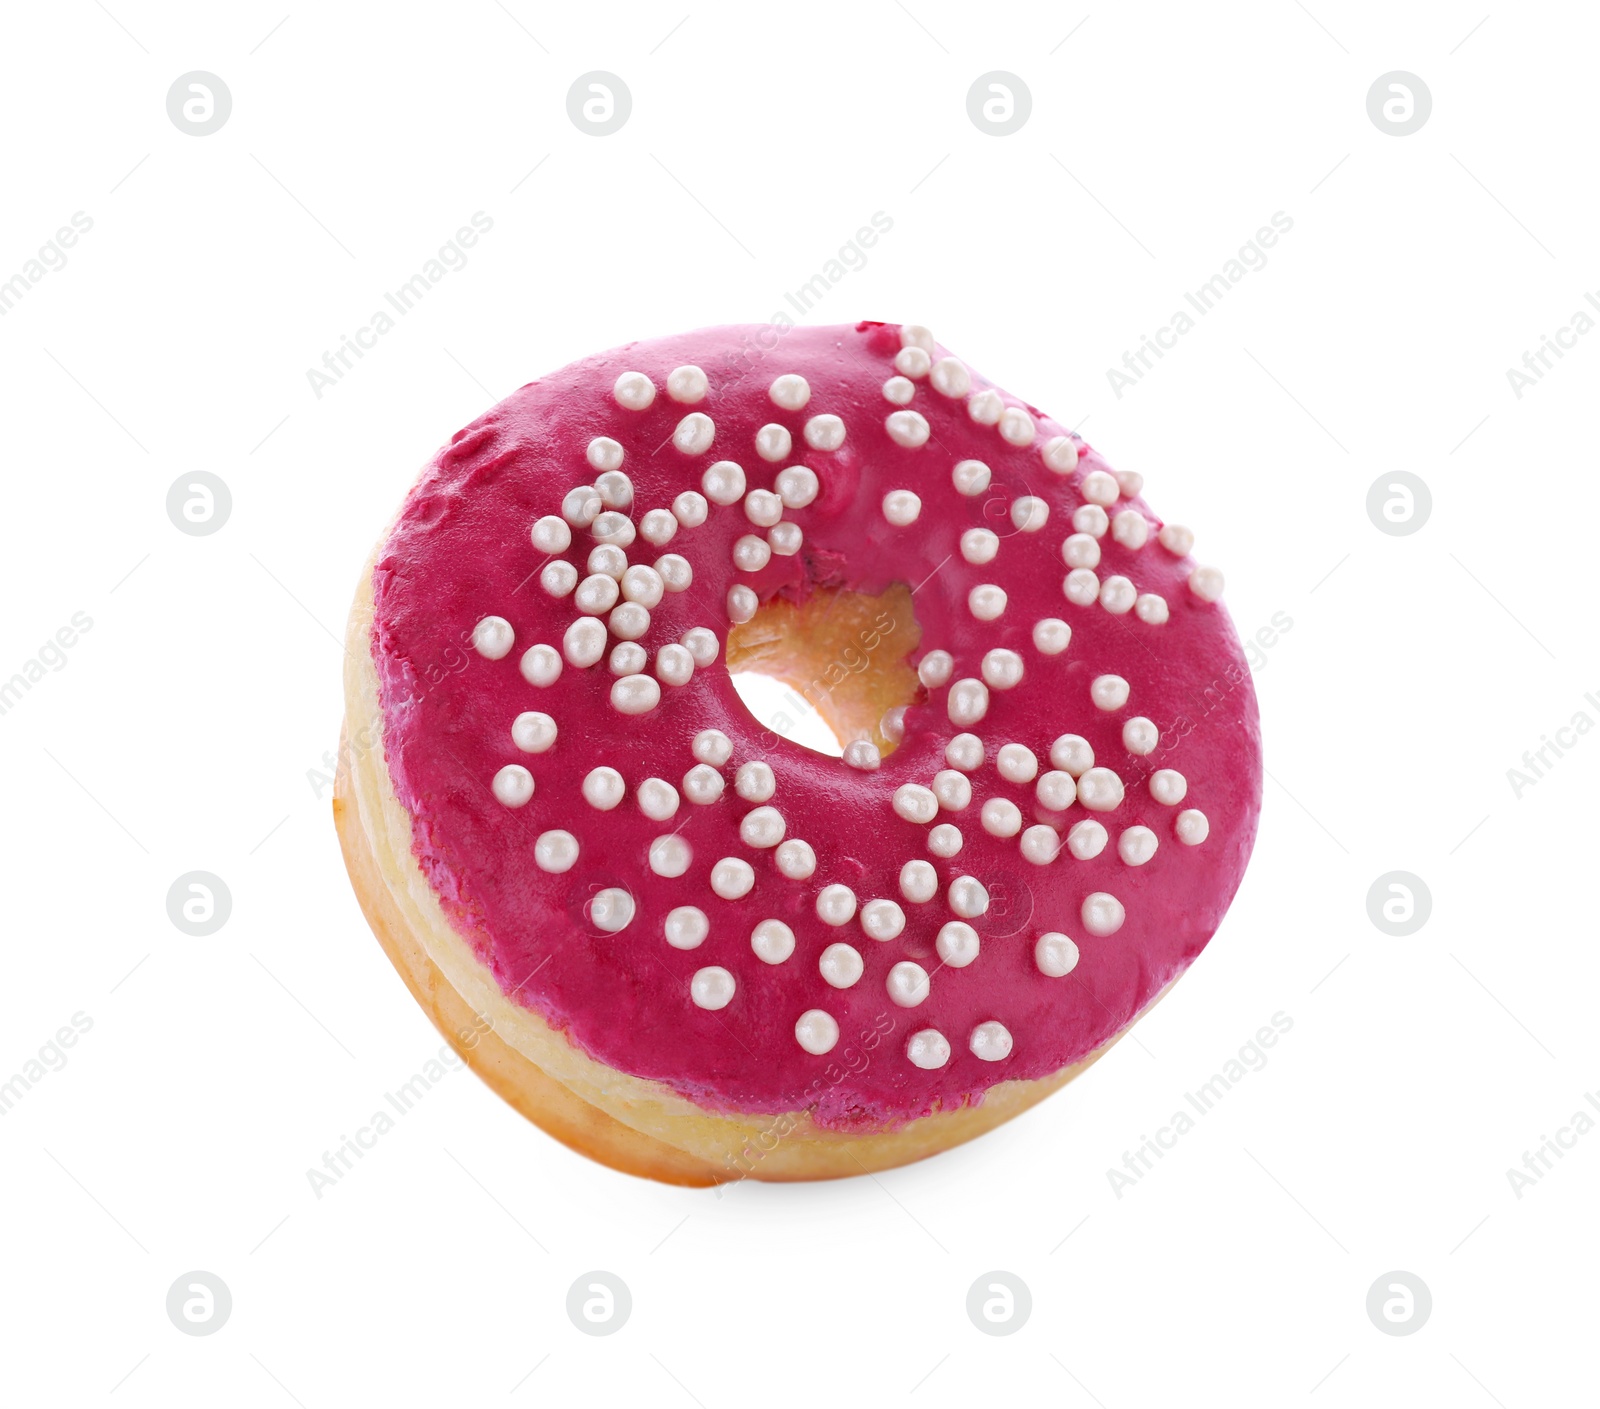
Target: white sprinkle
1055,955
555,852
964,751
596,594
908,429
796,860
1176,539
584,642
1051,635
676,574
824,432
629,621
657,799
658,527
635,694
1060,454
840,966
1001,817
1099,488
762,828
985,407
950,377
754,781
862,754
606,455
1108,692
1206,583
1102,913
751,554
901,507
513,785
551,534
1140,735
979,545
674,665
1016,426
817,1032
967,702
627,658
763,508
882,920
1039,844
558,577
928,1049
986,601
493,638
1081,550
732,878
1081,587
742,604
603,788
712,746
689,508
643,585
899,391
790,391
1168,786
773,442
1100,790
1192,827
934,669
785,539
609,560
772,941
670,856
533,732
1117,595
836,905
1056,790
916,803
1136,845
1029,513
1131,482
1002,669
912,362
634,391
1131,529
968,897
614,528
712,987
1017,763
723,482
1151,609
687,384
694,433
541,665
970,477
1090,519
957,943
990,1042
1072,754
1087,840
686,927
953,789
797,486
702,784
918,882
581,505
612,909
907,984
945,841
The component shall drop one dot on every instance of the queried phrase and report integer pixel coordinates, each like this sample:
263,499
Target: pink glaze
461,551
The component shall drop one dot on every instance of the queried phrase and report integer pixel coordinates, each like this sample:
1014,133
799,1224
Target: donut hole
829,669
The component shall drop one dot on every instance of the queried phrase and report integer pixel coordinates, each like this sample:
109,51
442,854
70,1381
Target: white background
185,729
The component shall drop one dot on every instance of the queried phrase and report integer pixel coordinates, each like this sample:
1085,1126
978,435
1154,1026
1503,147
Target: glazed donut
676,939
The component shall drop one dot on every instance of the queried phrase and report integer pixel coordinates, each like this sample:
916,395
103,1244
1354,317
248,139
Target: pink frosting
461,551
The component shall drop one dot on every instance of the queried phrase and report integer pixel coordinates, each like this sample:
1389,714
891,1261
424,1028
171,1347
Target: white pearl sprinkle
824,432
1131,482
493,638
635,694
952,788
836,905
627,658
551,534
912,362
1176,539
797,486
686,927
1055,955
1136,846
1072,753
723,482
1117,595
676,574
558,577
957,944
1001,669
657,799
1102,913
533,732
606,455
772,941
694,433
1016,426
796,860
1056,790
754,781
762,828
1060,454
964,751
899,391
907,984
1001,817
967,702
674,665
689,508
785,539
1090,519
763,508
540,665
1100,790
629,621
979,546
1087,840
882,920
614,528
1151,609
986,601
840,966
581,506
702,785
1039,844
1108,692
612,909
916,335
751,554
907,428
584,642
945,841
1081,587
934,669
816,1032
712,987
773,442
985,407
970,477
643,585
1051,635
687,384
949,377
790,391
603,788
1029,513
863,755
1192,826
670,856
928,1049
990,1042
555,852
1100,488
513,785
1131,529
1017,763
1080,550
1168,786
732,878
608,560
1206,583
658,527
1140,735
712,746
596,594
634,391
915,803
918,882
968,897
901,507
742,604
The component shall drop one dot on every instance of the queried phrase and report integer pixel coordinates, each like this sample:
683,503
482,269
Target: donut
673,937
